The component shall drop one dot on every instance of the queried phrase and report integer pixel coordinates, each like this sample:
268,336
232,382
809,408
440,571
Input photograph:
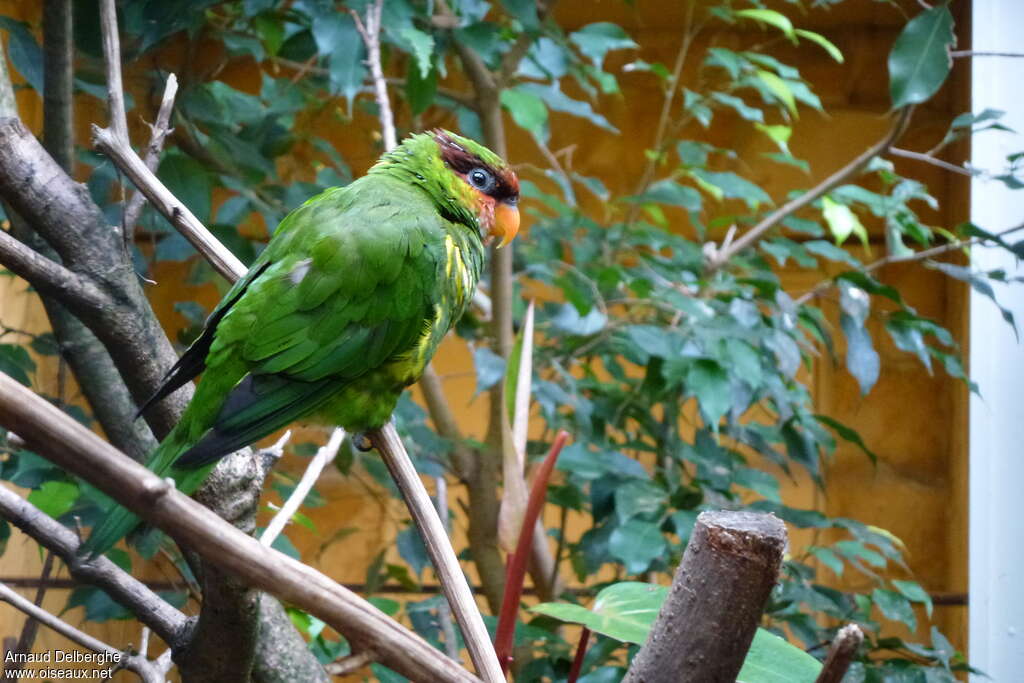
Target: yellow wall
916,423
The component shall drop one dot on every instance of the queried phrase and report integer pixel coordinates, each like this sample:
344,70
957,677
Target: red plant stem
581,650
517,563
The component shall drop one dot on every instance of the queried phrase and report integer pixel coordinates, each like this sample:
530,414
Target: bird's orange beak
506,222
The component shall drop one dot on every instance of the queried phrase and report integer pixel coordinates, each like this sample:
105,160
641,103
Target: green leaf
772,659
848,434
710,384
597,40
624,611
422,48
559,101
189,181
338,39
779,89
842,222
919,61
770,17
25,53
639,498
490,368
636,544
739,106
420,91
527,110
913,591
55,497
525,11
16,362
822,41
861,358
894,607
672,193
569,320
732,186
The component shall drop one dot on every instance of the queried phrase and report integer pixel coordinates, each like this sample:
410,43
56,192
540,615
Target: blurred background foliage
684,379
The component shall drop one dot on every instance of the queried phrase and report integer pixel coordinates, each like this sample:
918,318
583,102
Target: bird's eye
481,179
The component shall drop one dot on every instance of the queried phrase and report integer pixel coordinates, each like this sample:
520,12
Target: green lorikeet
342,310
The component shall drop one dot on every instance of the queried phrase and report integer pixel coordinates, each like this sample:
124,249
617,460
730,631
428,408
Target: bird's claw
362,442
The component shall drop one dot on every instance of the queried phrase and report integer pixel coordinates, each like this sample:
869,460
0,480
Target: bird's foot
362,442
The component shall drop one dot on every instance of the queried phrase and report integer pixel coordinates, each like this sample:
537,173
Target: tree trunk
708,621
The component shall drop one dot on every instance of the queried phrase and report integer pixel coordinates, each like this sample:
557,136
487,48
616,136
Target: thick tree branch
166,621
73,447
840,655
708,620
48,276
146,670
59,70
851,169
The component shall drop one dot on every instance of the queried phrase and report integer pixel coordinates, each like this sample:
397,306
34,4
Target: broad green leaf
710,384
913,591
770,17
636,544
779,134
739,106
842,222
672,193
16,362
894,607
597,40
732,186
55,497
527,110
779,88
422,45
772,659
822,41
25,53
624,611
490,368
525,11
559,101
861,358
639,498
919,61
189,181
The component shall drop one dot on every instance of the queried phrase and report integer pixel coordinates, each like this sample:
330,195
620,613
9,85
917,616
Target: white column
997,364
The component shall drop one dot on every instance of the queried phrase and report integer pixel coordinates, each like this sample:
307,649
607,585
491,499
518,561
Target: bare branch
223,261
929,159
848,171
47,276
351,664
957,54
324,457
446,564
31,627
370,31
134,663
840,655
444,612
160,129
167,622
68,444
118,120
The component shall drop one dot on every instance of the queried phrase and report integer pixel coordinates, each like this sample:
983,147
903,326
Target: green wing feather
346,292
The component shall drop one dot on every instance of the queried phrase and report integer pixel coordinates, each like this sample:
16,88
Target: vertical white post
997,364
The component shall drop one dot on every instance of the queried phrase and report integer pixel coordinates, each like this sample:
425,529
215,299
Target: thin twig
435,538
129,163
929,159
31,627
118,120
134,663
848,171
324,457
444,612
351,664
939,250
370,31
957,54
159,131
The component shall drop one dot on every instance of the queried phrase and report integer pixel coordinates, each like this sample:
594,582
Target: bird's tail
120,521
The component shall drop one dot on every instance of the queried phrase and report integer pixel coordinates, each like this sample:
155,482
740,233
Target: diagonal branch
118,120
135,663
71,446
848,171
166,621
370,32
324,457
49,277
